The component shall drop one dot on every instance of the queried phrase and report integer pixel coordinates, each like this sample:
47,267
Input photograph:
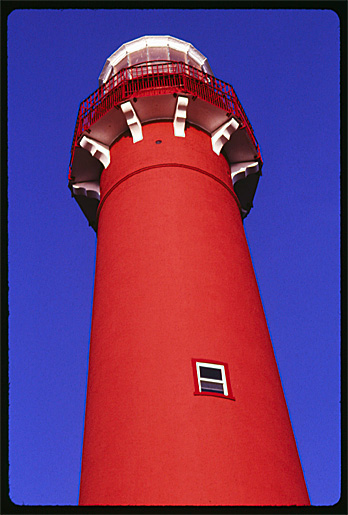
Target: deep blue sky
284,66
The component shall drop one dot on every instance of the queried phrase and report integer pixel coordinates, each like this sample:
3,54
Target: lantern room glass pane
122,64
138,57
175,55
158,54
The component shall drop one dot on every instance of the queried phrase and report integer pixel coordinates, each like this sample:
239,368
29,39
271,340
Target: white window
211,378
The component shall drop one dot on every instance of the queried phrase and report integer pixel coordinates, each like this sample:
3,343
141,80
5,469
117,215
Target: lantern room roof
153,48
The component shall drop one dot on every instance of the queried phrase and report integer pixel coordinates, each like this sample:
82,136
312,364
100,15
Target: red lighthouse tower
184,401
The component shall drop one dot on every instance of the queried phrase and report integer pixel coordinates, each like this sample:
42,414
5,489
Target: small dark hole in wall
158,141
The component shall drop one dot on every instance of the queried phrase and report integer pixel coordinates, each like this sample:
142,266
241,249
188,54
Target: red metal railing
156,78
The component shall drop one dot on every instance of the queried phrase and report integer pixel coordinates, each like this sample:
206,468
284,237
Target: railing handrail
125,83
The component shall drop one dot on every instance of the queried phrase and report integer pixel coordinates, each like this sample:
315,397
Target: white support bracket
242,170
90,189
180,116
97,150
133,121
221,135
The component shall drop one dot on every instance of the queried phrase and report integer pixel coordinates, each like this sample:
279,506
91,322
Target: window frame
225,381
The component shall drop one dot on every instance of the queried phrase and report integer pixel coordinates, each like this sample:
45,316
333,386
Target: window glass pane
175,55
192,62
210,373
211,387
121,64
158,54
138,57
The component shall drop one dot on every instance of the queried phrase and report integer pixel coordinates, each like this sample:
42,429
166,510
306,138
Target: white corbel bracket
180,116
242,170
221,135
96,149
133,121
90,189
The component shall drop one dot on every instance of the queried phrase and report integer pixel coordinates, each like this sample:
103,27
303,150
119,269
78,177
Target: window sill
212,394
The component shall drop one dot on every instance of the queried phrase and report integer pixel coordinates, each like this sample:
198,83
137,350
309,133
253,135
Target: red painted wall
174,281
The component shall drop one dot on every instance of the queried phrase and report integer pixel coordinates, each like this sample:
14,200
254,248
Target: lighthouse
184,401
